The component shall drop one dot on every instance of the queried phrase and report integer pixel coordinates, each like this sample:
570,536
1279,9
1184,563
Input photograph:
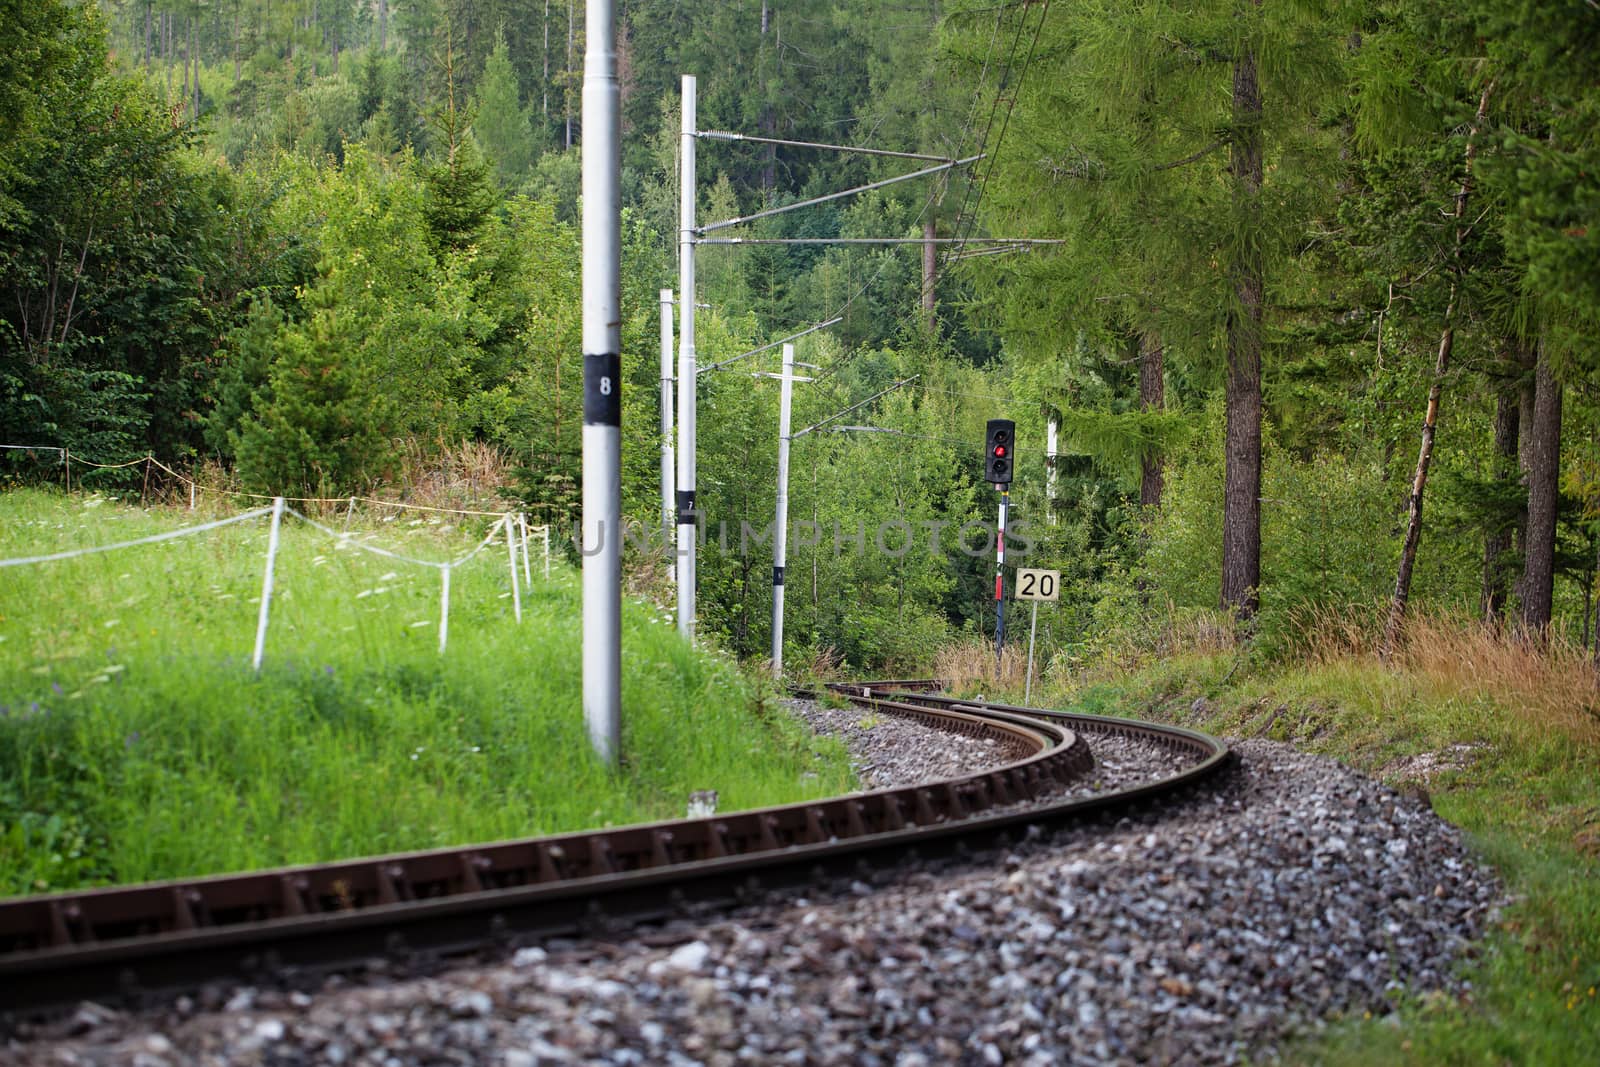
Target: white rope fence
513,525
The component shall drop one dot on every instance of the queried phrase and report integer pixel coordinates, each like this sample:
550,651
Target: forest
1314,340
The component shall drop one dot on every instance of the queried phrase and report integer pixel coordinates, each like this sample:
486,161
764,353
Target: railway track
137,944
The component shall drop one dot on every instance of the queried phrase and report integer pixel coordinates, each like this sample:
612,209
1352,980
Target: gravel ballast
1294,892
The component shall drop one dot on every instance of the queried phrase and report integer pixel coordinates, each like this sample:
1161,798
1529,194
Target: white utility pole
1050,430
780,536
668,462
686,365
602,384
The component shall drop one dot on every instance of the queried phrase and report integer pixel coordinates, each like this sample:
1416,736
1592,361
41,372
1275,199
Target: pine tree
501,124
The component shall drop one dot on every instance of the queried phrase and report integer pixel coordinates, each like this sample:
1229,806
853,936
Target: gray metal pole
669,471
780,536
1033,631
602,384
686,365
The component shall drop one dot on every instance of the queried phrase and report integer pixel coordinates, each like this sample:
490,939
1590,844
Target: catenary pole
669,474
686,365
602,384
780,536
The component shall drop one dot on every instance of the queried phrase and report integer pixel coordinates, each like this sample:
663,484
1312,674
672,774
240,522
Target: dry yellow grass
968,665
1552,685
466,474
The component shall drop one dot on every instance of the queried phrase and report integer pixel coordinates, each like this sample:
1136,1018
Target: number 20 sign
1036,584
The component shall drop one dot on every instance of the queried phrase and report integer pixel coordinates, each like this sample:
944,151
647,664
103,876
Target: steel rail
138,943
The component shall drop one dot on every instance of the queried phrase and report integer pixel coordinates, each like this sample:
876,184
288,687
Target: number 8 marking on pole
605,386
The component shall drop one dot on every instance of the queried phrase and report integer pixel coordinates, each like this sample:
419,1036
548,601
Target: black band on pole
777,576
686,512
602,389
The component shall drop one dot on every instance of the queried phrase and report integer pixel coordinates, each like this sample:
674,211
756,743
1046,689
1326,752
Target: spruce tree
501,124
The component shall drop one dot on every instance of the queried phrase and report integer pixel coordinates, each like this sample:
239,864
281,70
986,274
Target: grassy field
137,743
1513,738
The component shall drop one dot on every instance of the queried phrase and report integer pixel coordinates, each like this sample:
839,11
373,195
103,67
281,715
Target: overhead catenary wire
1011,104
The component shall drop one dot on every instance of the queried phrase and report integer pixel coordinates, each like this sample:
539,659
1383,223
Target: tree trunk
1544,472
1597,617
194,61
1241,504
567,87
769,120
148,8
545,85
930,272
1430,418
383,24
1497,542
1152,397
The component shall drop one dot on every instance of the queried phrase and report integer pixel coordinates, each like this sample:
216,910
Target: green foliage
502,125
1329,538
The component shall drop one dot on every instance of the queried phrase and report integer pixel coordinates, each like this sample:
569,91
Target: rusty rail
137,942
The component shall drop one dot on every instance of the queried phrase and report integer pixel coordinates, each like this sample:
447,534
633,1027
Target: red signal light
999,450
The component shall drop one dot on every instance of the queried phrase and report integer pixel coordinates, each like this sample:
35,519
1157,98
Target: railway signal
1000,441
998,444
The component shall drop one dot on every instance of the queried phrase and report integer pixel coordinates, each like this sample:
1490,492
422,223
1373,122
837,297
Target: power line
1011,104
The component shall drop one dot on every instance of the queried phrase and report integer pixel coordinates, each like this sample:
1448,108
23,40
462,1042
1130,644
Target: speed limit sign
1038,584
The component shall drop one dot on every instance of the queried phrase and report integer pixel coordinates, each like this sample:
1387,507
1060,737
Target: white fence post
266,582
522,529
511,553
444,609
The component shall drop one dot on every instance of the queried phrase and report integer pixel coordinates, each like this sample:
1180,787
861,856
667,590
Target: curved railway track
135,943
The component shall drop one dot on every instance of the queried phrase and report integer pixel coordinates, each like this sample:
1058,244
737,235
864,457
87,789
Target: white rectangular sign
1037,584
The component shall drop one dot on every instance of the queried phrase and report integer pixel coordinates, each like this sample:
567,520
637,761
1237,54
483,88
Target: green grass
136,743
1528,796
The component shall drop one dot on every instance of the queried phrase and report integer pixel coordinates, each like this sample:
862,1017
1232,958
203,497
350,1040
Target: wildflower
130,740
56,688
328,671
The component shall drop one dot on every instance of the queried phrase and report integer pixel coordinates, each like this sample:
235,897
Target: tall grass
137,743
971,666
1549,683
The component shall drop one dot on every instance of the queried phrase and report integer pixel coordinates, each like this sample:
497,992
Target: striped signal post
1000,575
602,384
